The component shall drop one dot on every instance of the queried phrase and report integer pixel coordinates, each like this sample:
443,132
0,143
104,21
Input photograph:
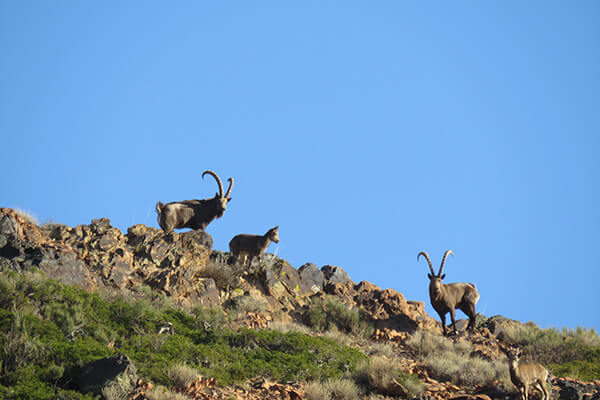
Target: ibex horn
217,179
444,260
230,180
428,261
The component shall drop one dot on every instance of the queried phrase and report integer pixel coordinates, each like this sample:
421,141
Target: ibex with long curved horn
194,214
448,297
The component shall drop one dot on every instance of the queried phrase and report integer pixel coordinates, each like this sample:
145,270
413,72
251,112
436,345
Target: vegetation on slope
571,352
49,331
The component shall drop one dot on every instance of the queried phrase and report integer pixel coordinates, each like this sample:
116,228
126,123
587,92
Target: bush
453,362
383,375
181,375
242,305
550,346
326,314
332,389
380,349
412,384
226,277
118,389
19,349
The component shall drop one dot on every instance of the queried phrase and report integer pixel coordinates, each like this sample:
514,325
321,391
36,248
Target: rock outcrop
184,267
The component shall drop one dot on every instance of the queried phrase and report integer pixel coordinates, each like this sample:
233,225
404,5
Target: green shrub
326,314
583,370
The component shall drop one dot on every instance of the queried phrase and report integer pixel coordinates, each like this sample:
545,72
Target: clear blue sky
368,131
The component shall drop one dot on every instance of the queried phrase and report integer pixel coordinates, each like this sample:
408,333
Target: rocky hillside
376,331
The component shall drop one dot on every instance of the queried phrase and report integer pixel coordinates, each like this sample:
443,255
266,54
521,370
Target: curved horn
444,260
217,179
428,261
230,180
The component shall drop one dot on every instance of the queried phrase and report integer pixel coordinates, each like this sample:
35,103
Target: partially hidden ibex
445,298
251,246
194,214
525,375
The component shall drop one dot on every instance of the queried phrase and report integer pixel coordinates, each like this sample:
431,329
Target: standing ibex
194,214
448,297
525,375
252,245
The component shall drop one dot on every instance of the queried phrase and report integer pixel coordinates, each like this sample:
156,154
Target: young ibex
194,214
252,245
448,297
525,375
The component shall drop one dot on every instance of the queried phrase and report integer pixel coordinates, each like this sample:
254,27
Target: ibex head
513,353
222,199
273,234
436,280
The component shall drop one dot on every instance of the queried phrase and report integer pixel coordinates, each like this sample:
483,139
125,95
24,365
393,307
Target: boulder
312,277
101,373
572,389
335,274
9,225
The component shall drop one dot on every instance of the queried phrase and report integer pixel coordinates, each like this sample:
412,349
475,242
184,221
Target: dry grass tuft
452,361
162,393
332,389
383,375
119,389
181,375
26,215
285,327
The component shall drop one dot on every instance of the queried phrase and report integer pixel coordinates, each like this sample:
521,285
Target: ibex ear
229,199
429,276
443,276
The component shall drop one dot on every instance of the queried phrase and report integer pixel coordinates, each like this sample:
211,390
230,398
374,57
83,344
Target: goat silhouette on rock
194,214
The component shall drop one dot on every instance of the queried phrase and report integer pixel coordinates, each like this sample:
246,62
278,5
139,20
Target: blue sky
367,131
